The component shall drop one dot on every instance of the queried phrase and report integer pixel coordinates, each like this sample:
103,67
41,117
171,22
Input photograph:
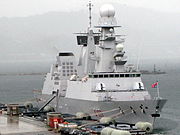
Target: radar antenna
90,14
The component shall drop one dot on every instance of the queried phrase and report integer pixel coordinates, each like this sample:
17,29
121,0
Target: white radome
107,10
111,30
119,47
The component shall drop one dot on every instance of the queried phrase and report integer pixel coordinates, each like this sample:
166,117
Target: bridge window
100,76
111,75
138,75
132,75
105,76
121,75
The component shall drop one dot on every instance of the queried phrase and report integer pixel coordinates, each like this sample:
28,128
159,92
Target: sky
21,8
153,23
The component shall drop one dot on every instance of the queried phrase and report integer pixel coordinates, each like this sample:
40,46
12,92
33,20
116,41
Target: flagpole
158,90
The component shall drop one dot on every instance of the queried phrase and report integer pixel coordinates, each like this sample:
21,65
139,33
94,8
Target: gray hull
124,111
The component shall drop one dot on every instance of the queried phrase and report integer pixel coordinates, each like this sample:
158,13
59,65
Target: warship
99,82
153,72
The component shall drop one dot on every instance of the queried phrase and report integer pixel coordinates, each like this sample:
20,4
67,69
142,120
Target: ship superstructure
101,80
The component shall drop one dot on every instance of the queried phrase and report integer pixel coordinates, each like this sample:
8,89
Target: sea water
19,88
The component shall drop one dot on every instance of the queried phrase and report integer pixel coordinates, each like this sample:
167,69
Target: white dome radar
107,10
119,47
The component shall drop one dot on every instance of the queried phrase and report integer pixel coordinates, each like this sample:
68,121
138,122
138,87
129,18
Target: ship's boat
100,83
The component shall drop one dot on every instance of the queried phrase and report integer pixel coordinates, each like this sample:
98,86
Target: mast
109,52
90,13
87,40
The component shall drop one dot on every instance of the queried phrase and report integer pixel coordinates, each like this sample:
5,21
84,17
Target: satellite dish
119,47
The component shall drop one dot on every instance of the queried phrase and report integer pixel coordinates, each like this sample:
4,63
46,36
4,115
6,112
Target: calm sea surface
19,89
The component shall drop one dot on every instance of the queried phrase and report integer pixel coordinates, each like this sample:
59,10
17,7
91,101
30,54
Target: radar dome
119,47
107,10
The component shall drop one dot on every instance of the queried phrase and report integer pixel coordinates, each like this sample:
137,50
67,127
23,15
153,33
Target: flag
154,85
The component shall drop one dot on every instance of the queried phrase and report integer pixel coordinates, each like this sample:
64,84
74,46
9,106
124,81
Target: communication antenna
90,13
